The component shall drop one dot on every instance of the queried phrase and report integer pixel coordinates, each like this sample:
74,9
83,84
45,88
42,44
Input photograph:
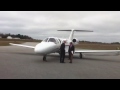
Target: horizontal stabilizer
77,30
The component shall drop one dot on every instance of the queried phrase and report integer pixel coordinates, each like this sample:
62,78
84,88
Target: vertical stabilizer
71,35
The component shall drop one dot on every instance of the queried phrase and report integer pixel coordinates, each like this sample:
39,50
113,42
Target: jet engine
75,41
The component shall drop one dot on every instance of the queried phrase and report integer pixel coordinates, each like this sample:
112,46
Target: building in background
16,38
9,37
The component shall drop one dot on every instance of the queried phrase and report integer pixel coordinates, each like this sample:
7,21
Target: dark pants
69,55
62,56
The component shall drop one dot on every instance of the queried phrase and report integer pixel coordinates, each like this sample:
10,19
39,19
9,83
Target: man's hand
72,52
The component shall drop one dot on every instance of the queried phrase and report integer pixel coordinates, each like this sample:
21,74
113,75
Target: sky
42,24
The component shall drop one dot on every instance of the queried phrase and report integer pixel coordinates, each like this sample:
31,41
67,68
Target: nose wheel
44,58
81,56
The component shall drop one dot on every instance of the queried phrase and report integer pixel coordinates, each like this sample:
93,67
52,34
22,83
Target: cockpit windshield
52,40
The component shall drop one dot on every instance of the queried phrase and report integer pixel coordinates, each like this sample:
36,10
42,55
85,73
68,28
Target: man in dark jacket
71,51
62,52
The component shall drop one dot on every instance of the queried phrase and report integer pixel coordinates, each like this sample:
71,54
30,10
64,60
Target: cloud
42,24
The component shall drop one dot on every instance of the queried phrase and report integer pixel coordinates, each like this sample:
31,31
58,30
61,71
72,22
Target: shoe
70,62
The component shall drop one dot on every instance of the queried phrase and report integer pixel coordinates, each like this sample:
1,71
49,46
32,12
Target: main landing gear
81,56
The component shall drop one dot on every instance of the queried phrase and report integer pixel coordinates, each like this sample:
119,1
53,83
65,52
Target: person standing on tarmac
71,51
62,52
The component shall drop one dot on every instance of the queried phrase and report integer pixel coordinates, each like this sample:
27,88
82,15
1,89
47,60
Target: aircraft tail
72,32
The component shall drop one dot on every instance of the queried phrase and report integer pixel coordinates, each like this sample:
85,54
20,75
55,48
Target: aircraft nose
44,47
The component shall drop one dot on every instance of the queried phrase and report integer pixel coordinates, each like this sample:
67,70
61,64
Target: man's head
64,41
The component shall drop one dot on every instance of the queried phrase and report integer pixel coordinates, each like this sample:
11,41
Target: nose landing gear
81,56
44,58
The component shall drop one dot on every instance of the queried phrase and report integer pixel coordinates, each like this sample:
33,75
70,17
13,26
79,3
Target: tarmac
23,63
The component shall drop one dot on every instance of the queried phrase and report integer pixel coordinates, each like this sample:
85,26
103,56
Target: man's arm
73,49
61,47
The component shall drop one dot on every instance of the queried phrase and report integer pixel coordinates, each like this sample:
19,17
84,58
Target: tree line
99,42
15,36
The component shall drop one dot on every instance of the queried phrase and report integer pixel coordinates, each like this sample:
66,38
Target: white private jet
52,45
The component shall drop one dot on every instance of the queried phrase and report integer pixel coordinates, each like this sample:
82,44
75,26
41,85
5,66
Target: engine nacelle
75,41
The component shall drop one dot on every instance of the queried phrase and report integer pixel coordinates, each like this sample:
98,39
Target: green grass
5,42
82,45
95,46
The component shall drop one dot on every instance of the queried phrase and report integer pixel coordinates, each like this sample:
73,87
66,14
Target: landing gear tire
44,58
81,56
59,53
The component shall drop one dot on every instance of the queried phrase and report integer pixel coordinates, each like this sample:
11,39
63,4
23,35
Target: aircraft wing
91,51
96,51
22,45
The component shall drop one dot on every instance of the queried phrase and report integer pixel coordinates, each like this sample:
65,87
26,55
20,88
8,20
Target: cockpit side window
59,40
